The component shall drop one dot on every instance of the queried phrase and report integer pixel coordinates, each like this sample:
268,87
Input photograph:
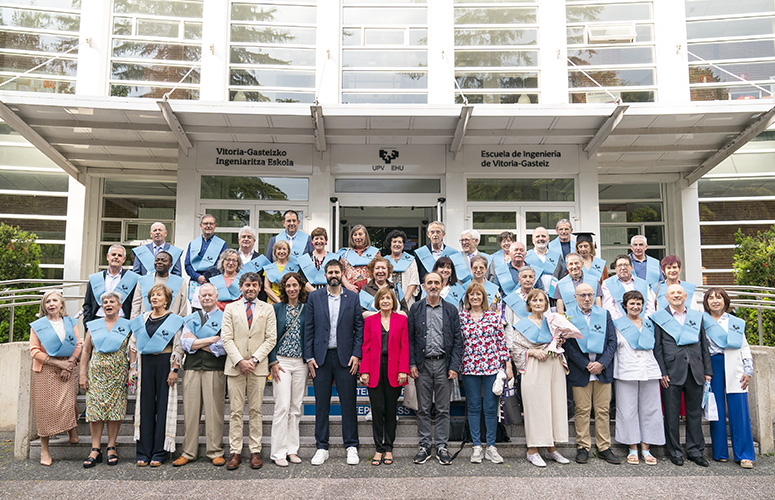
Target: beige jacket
242,343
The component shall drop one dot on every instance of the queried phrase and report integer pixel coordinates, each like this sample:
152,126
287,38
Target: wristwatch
175,370
255,359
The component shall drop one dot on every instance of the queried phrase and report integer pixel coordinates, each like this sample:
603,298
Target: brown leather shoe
180,461
219,461
255,461
234,461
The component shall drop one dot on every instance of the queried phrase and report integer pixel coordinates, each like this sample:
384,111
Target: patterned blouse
484,343
290,345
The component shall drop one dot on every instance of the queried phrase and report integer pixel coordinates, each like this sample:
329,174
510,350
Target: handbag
710,412
410,395
512,410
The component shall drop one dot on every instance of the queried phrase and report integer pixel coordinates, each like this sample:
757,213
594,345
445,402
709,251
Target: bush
19,259
755,266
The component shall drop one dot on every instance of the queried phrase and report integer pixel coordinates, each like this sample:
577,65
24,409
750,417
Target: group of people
549,318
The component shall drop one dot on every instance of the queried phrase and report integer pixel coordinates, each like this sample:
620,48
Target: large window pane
534,219
493,15
629,191
384,15
494,220
525,36
753,71
33,181
700,8
272,34
30,204
388,186
237,218
496,58
733,49
730,27
497,80
630,212
272,77
254,188
383,98
384,80
385,58
283,14
609,12
743,188
609,56
520,190
128,208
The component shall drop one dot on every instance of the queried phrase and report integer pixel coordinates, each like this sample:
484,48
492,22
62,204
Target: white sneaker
492,455
555,455
536,460
320,457
476,456
352,456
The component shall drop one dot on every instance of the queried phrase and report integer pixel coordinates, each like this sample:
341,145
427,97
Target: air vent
611,33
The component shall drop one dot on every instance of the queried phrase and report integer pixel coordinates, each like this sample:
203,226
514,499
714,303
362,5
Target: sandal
388,461
142,463
155,463
112,459
92,461
376,461
632,459
650,459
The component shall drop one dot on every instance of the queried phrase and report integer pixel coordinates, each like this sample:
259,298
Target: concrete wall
10,359
760,399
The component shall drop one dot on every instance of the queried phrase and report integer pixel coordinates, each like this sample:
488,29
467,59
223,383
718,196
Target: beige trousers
208,389
598,394
239,386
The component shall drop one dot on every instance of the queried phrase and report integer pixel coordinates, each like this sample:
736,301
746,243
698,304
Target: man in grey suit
435,356
681,350
144,254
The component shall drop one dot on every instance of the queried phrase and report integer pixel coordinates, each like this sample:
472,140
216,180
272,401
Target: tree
19,259
754,261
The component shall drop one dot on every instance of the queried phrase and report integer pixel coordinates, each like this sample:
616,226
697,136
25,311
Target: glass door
379,221
491,219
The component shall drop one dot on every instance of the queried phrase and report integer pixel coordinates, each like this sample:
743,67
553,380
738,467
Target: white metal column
215,51
553,52
93,59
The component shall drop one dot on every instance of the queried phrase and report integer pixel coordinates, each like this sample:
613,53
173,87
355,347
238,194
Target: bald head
158,233
676,296
585,297
540,239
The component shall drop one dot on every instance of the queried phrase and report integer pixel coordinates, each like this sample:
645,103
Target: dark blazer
398,348
91,303
453,338
269,255
280,309
675,360
578,375
140,269
317,327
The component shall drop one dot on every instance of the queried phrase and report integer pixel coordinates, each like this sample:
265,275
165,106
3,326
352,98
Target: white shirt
632,364
245,258
59,328
610,305
111,282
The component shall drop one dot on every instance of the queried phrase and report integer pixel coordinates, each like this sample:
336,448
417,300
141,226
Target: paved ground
335,479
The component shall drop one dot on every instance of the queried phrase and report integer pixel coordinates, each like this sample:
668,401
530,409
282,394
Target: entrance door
379,221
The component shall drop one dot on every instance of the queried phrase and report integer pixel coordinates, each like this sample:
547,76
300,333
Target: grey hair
208,284
474,234
639,237
525,269
202,218
117,246
563,221
438,223
226,253
247,229
113,294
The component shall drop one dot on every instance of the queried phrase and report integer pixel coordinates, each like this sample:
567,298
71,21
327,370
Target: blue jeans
476,385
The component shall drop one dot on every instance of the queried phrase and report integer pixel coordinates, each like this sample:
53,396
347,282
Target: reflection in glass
351,98
270,34
359,16
249,95
385,58
496,58
494,220
726,28
600,96
493,36
384,80
544,219
612,55
611,78
629,191
701,8
230,217
272,55
521,98
254,188
492,15
271,77
501,80
146,91
178,8
520,190
631,212
608,13
288,14
153,73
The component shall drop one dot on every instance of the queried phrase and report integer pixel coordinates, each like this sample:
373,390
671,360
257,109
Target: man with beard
333,341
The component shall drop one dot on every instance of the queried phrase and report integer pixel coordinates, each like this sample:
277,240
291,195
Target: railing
11,298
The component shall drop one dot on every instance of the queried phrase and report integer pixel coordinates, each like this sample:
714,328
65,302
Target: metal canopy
106,136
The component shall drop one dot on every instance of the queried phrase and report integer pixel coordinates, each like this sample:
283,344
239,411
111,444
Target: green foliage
755,266
19,259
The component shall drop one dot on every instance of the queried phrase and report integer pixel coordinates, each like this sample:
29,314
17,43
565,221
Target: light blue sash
595,270
517,304
225,294
210,258
594,333
531,332
402,264
662,294
314,275
568,291
108,341
146,257
556,246
461,266
50,340
617,291
255,265
490,288
426,256
454,296
125,285
548,266
174,282
299,242
653,271
687,334
505,277
726,340
162,337
367,300
210,329
352,257
498,256
643,339
273,274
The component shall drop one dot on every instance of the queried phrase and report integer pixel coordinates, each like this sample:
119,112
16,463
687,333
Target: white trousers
288,397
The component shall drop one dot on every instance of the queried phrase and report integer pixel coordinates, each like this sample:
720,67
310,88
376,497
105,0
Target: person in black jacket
114,278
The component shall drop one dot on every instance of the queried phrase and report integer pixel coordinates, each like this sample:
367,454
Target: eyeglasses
466,240
585,295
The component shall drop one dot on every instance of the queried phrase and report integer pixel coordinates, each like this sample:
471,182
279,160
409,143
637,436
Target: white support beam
755,128
605,130
155,173
319,127
18,124
461,129
177,129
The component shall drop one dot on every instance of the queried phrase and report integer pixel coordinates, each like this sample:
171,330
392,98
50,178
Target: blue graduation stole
548,266
255,265
594,333
210,258
733,339
125,285
367,300
352,257
490,288
211,328
299,242
499,255
653,271
225,294
314,275
174,282
505,277
272,272
687,334
108,341
595,270
402,264
426,256
662,294
556,246
50,340
162,337
454,295
531,331
617,291
461,266
568,291
146,257
517,304
643,339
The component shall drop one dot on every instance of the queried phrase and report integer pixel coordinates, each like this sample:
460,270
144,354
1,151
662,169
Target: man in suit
681,350
162,264
333,342
114,278
428,255
435,356
144,254
249,333
644,267
591,364
299,241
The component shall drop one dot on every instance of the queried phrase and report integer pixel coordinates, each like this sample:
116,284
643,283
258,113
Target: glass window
494,220
385,58
607,13
32,204
384,80
493,36
496,15
742,188
625,191
520,190
399,16
700,8
254,188
380,98
388,185
497,58
615,78
33,181
498,80
234,218
534,219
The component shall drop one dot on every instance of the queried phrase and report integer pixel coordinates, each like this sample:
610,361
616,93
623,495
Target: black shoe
677,461
608,456
92,461
582,456
422,456
444,457
699,460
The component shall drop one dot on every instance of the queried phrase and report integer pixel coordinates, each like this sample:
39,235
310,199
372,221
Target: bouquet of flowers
562,329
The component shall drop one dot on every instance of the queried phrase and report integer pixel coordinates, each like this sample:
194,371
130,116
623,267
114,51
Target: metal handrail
11,298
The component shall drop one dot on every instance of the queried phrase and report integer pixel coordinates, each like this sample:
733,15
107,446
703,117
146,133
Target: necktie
249,312
156,250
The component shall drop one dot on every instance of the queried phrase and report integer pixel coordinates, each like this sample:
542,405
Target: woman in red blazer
384,369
